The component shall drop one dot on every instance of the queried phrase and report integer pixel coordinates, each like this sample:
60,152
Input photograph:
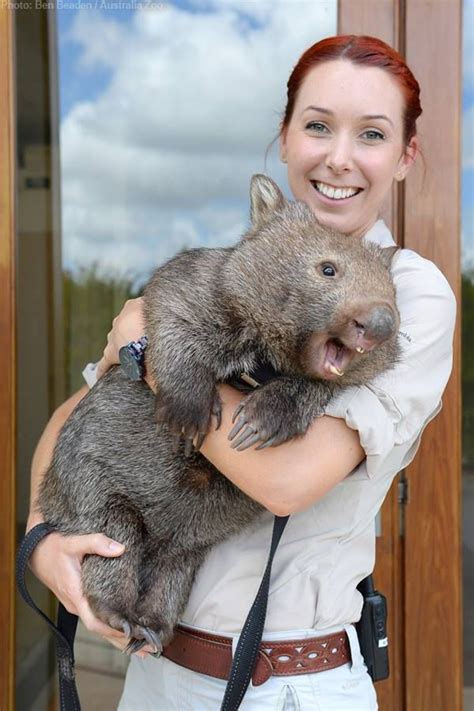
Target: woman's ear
283,145
407,160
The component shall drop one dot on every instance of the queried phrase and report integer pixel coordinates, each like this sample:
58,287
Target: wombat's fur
290,294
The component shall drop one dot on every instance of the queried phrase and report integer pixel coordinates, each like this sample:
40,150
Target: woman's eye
317,127
328,269
373,135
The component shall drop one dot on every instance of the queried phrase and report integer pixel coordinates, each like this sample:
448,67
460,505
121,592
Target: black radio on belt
372,630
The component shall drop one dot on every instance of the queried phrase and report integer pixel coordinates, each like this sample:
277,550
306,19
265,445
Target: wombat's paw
190,420
263,417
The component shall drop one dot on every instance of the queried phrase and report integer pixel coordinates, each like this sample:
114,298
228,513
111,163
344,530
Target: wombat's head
324,302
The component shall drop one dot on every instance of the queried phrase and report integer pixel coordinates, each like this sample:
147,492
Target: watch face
131,363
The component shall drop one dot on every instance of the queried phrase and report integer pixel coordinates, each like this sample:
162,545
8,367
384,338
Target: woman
348,131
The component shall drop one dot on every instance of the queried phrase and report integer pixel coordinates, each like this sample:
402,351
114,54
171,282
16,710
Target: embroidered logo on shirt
405,335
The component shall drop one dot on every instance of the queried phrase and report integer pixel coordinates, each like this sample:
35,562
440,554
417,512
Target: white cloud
163,157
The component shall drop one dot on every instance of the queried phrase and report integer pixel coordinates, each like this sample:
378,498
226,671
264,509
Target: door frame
7,362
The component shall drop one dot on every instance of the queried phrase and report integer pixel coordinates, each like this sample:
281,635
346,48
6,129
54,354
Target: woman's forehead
342,85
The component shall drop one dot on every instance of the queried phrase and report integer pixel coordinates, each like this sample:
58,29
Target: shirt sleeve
391,412
90,374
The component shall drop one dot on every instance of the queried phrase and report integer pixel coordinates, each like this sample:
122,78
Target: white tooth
334,370
335,193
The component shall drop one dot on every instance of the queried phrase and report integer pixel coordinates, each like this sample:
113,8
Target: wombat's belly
111,451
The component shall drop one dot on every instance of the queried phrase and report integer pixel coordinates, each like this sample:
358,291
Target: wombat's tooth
359,349
335,371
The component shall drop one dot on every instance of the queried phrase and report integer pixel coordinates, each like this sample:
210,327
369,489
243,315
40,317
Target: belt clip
263,669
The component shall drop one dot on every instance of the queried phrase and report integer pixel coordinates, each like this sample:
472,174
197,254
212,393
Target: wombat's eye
328,269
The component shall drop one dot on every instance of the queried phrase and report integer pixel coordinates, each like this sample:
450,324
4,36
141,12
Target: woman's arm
292,476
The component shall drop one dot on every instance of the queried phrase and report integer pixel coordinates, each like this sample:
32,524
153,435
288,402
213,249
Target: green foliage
91,301
468,365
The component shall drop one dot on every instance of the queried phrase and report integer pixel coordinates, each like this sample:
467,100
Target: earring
283,160
399,176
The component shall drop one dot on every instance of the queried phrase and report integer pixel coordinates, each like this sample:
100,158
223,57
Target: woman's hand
57,563
128,326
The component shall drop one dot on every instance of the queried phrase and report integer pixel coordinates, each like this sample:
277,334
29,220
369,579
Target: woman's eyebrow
318,108
366,117
371,117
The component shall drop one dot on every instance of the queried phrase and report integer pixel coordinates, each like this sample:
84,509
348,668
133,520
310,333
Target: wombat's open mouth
336,359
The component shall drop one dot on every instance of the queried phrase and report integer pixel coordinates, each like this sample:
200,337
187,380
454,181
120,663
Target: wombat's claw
175,442
134,646
149,637
238,410
200,439
153,639
217,412
248,443
268,443
248,436
188,446
241,422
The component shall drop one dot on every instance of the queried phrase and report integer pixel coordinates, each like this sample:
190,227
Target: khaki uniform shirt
327,549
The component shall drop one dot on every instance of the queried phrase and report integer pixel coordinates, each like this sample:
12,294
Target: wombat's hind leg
168,579
111,585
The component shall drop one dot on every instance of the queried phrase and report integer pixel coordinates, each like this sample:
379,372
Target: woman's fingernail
116,547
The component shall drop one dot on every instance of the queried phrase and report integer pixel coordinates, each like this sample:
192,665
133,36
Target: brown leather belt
212,655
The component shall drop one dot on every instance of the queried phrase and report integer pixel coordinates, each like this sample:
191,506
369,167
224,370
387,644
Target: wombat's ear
388,254
265,198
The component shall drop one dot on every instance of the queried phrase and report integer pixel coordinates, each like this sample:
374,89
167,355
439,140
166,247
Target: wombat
317,306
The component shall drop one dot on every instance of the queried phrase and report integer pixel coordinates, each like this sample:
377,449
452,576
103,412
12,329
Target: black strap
247,647
65,630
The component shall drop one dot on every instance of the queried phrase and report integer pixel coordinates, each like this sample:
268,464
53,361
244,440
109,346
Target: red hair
368,52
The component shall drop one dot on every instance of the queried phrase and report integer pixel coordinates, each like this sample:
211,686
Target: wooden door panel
433,522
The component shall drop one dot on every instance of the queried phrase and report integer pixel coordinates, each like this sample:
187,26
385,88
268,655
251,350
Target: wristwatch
132,358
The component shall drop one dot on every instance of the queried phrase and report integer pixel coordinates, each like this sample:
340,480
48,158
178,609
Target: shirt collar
380,234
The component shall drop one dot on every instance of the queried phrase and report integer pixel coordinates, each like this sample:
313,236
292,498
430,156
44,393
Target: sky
165,115
167,109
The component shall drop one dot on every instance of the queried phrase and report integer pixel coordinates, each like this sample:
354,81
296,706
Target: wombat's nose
376,326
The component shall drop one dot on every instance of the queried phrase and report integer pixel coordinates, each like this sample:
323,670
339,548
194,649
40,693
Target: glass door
138,131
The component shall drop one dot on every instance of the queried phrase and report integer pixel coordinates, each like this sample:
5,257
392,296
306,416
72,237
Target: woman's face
344,143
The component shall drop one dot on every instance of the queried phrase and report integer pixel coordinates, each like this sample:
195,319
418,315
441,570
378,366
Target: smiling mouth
334,193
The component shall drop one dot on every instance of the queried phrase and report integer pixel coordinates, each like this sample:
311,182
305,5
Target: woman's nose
339,156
